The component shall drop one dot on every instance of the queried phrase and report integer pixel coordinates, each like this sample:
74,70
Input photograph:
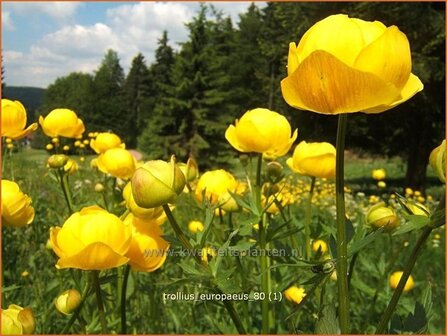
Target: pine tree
109,108
137,91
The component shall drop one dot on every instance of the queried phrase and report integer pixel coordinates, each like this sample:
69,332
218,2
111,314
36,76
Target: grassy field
31,279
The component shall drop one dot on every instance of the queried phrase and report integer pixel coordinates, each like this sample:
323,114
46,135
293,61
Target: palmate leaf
414,222
327,324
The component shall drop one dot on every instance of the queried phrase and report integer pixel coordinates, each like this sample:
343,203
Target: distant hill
30,97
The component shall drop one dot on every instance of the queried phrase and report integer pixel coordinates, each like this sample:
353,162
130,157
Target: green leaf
327,324
427,301
209,216
221,252
417,321
414,222
357,246
191,268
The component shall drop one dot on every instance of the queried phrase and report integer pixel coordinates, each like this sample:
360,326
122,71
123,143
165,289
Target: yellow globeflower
319,245
157,183
313,159
437,160
344,65
105,141
17,321
215,186
395,278
16,206
380,215
71,166
68,301
261,131
62,122
378,174
207,253
295,294
92,239
117,162
148,249
195,226
14,120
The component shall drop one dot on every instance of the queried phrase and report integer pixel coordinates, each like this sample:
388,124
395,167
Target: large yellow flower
105,141
62,122
92,239
313,159
344,65
295,294
16,206
14,120
215,186
261,131
148,249
117,162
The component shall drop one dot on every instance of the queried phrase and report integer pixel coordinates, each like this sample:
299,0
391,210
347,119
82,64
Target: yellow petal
370,30
337,34
413,86
230,135
326,85
96,256
388,57
18,134
292,59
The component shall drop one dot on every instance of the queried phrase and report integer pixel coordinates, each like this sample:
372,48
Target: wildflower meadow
283,196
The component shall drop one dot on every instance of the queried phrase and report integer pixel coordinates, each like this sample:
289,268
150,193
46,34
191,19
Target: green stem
187,245
66,189
180,235
403,280
342,248
258,171
84,295
123,300
309,218
97,287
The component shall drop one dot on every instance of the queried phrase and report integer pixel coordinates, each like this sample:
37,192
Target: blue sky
46,40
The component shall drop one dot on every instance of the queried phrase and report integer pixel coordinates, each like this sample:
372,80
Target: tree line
184,100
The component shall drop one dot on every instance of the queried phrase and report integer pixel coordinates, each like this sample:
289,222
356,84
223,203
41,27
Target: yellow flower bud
195,226
395,278
378,174
319,245
92,239
10,146
157,183
117,162
417,208
345,65
57,160
82,159
24,274
99,187
77,143
437,160
313,159
261,131
16,206
381,184
71,166
380,215
62,122
55,140
14,120
17,321
68,301
8,140
49,147
295,294
408,191
66,148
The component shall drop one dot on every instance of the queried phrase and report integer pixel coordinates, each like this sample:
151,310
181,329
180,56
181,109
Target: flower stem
123,300
187,245
342,249
403,280
102,316
66,189
309,217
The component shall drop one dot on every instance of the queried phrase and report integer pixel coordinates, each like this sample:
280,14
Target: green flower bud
57,160
275,172
437,160
380,215
156,183
68,301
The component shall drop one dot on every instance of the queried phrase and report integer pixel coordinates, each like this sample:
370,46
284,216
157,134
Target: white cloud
58,10
7,20
129,29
